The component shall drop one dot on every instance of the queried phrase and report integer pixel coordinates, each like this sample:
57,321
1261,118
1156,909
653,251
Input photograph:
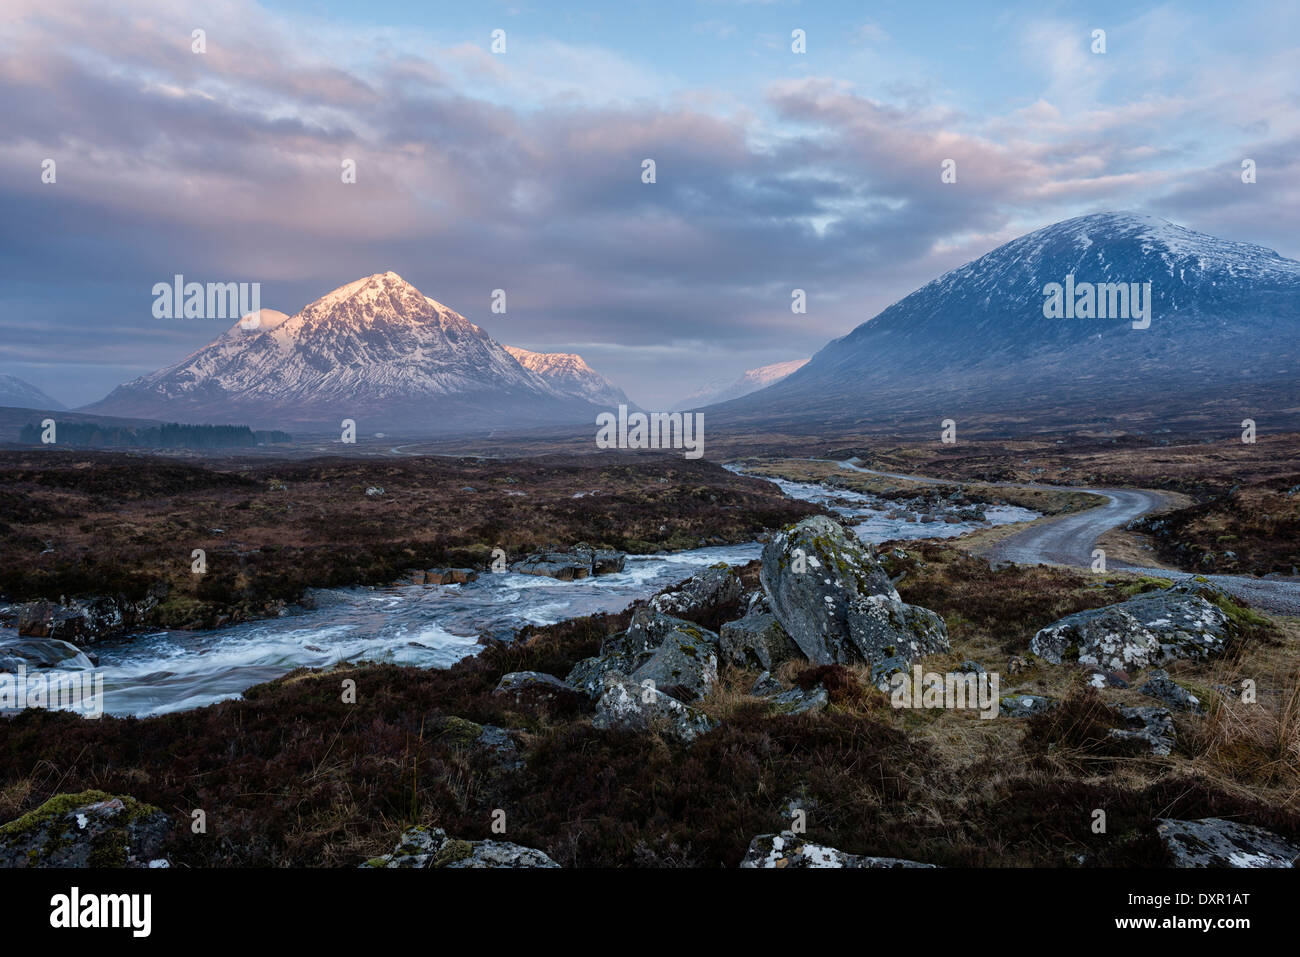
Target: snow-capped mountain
376,350
15,393
570,376
1222,340
751,381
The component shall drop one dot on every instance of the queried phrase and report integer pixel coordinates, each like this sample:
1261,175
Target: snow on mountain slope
1223,329
16,393
376,349
569,375
750,381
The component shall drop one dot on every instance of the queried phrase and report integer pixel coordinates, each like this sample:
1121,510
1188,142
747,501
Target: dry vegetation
292,776
94,523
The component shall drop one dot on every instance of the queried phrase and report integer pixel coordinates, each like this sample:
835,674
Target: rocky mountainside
16,393
376,350
975,344
569,375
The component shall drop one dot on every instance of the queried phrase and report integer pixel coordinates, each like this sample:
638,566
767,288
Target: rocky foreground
743,717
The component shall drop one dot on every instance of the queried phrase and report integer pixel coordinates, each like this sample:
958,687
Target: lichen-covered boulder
685,665
835,601
771,851
1151,728
535,691
799,701
1150,629
1024,705
421,847
89,829
1163,688
627,651
496,747
703,596
1214,842
881,627
756,640
632,707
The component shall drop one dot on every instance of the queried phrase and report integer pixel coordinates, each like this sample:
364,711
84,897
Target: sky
522,170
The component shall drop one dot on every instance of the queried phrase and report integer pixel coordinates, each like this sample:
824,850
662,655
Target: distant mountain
751,381
570,376
975,345
16,393
376,350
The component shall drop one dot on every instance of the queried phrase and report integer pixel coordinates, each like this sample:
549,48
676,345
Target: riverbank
126,528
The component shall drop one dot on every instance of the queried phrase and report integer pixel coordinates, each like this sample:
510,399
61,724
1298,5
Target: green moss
58,805
461,732
452,852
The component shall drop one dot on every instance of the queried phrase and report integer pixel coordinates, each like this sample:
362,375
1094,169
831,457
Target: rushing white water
428,625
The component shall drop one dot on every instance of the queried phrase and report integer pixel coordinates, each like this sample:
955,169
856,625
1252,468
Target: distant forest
170,436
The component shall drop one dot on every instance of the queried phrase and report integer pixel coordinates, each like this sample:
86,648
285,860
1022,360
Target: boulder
449,576
1163,688
33,653
798,701
1150,629
496,745
1152,728
570,564
90,829
628,706
1024,705
627,651
789,850
835,601
766,686
703,596
79,621
685,665
431,847
757,640
535,691
1214,842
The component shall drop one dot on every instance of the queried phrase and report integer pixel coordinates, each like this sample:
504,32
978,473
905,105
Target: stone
841,607
774,851
756,640
627,706
1214,842
35,653
799,701
685,665
423,847
535,691
1152,728
1163,688
702,596
89,829
1150,629
450,576
766,686
1024,705
570,564
79,621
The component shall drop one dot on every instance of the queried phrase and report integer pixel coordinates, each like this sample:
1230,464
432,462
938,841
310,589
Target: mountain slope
569,375
751,381
16,393
376,350
975,343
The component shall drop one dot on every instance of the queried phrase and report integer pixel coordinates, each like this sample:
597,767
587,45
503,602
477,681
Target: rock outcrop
80,620
703,597
90,829
535,691
757,640
836,602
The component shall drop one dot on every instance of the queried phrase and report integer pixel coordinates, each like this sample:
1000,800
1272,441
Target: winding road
1069,540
